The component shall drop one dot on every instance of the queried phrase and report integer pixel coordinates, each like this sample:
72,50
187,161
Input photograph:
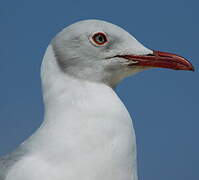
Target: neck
87,123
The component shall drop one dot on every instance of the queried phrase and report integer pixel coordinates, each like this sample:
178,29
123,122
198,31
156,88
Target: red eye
100,38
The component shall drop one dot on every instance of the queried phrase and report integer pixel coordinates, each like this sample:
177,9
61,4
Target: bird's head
99,51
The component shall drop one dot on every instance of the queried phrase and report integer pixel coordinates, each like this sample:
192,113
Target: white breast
91,138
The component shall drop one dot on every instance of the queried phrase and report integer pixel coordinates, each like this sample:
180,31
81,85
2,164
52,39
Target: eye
99,38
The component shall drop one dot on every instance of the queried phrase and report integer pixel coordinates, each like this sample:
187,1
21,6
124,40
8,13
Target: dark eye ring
99,38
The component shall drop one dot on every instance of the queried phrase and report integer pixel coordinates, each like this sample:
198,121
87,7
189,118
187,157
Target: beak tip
190,67
180,62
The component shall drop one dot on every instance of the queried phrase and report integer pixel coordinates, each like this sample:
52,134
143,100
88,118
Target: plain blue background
164,103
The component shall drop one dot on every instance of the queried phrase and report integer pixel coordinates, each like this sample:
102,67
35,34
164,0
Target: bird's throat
86,123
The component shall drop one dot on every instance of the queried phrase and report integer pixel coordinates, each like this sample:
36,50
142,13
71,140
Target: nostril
150,55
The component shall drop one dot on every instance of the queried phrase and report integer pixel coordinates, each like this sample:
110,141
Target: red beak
161,60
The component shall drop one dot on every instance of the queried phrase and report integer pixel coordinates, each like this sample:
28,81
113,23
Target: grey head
89,50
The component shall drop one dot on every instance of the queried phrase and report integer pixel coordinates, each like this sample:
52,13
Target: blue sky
164,103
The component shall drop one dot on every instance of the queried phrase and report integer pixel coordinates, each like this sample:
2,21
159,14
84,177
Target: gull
87,132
